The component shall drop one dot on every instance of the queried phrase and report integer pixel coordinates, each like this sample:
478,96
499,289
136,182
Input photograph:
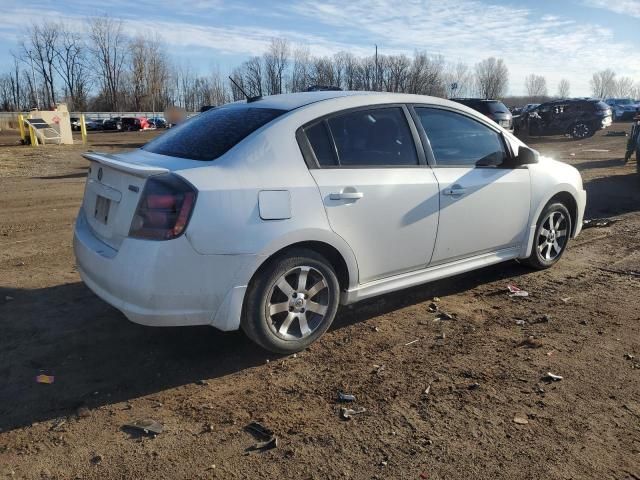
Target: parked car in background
623,108
110,123
157,122
129,124
494,109
381,192
578,118
90,124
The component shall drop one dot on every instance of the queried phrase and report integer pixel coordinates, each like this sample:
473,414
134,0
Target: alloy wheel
298,303
580,131
553,236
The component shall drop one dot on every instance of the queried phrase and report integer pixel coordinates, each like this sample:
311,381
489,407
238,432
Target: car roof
291,101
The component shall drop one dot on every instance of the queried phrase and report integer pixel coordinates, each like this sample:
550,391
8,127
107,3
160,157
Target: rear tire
553,231
291,302
581,130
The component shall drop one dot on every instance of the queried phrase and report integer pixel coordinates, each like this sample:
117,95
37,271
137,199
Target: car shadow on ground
612,195
98,357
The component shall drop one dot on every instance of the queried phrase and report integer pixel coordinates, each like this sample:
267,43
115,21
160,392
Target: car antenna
249,99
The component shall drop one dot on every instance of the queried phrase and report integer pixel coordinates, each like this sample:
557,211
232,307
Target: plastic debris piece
146,426
267,445
474,386
597,223
521,419
628,356
552,377
48,379
259,430
433,307
530,342
520,322
347,413
516,292
427,390
346,397
411,342
566,299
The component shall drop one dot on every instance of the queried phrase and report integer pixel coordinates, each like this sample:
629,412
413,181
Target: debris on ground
97,459
552,377
543,319
566,299
377,369
146,426
57,424
411,342
201,382
520,322
347,413
597,223
516,292
427,390
433,307
616,133
82,412
474,386
47,379
346,397
521,419
267,438
530,342
445,316
628,356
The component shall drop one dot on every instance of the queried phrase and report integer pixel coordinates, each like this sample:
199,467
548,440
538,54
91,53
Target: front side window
457,140
378,137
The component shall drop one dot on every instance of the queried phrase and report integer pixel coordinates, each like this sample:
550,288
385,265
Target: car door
484,203
378,192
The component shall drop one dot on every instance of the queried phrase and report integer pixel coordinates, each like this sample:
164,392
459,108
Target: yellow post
23,134
83,129
32,135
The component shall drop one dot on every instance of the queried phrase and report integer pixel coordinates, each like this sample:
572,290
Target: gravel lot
442,407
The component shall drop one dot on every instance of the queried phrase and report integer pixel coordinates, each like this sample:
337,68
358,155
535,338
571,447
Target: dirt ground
441,396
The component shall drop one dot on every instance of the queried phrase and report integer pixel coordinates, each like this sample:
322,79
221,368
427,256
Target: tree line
106,70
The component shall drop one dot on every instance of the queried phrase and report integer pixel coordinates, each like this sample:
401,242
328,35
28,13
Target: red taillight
164,209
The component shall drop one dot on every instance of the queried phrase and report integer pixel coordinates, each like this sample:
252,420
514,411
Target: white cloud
623,7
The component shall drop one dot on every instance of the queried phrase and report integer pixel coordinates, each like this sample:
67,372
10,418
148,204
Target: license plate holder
101,212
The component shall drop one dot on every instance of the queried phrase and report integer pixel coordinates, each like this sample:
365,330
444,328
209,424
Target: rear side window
212,133
372,138
321,144
457,140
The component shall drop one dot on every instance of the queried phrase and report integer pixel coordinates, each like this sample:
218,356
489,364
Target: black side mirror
526,156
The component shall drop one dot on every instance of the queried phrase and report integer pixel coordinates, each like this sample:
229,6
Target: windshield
211,134
493,106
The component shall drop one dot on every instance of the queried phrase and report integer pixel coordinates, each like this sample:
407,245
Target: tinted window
321,144
212,133
458,140
377,137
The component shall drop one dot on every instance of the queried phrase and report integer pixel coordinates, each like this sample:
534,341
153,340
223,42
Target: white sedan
266,215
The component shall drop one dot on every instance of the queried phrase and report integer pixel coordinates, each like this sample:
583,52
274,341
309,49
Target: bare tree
426,75
492,78
300,74
536,86
39,51
109,49
71,65
458,80
276,60
603,83
623,88
564,88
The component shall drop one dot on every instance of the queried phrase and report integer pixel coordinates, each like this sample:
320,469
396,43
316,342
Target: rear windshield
493,107
211,134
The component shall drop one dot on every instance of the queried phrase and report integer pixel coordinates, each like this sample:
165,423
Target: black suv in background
578,118
494,109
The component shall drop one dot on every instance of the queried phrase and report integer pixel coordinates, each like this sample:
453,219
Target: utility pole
375,81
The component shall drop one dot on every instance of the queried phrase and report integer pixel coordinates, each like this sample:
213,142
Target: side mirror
526,156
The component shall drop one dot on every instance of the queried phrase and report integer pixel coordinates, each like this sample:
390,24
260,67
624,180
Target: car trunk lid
112,192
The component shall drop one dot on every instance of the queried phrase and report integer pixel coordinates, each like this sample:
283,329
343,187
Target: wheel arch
564,195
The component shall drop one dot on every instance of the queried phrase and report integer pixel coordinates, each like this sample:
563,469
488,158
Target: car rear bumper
581,202
164,283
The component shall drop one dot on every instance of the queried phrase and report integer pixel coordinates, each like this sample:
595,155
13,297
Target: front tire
581,130
291,302
552,236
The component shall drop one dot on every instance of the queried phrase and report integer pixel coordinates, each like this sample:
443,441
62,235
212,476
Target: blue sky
555,38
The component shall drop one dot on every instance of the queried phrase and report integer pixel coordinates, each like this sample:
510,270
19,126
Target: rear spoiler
112,161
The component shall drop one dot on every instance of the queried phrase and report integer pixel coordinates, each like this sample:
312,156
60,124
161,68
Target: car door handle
346,195
454,191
